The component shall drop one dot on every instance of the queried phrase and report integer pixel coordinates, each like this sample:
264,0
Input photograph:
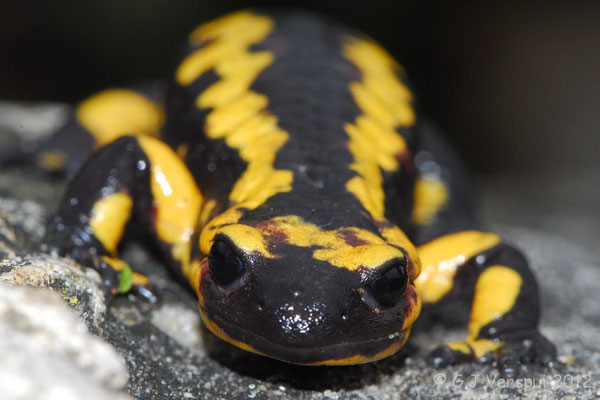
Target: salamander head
289,290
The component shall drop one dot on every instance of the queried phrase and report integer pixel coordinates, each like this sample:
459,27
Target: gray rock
31,121
47,352
170,356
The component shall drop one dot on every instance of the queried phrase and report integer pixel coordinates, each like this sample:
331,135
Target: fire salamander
284,172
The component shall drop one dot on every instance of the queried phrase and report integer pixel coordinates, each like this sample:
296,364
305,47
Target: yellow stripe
386,105
441,258
117,112
238,115
109,217
176,197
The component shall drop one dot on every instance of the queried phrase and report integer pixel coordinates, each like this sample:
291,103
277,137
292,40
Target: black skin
312,107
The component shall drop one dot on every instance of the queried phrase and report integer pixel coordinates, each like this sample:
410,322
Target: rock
47,352
79,286
169,355
31,121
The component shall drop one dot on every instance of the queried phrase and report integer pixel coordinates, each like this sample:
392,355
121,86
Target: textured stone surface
47,352
170,356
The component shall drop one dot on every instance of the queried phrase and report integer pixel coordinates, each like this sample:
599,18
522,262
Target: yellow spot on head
229,217
246,238
349,248
109,217
117,112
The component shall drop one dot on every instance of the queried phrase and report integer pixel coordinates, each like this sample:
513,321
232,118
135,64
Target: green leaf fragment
125,279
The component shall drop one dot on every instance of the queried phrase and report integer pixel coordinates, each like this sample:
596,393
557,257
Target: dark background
515,85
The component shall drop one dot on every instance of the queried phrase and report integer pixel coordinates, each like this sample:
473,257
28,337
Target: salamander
284,172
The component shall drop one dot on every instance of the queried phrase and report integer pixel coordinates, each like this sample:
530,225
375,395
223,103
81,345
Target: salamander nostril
225,266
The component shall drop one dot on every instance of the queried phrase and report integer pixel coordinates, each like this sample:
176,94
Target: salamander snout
291,306
298,319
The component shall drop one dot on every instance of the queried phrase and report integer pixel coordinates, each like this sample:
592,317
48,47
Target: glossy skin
301,200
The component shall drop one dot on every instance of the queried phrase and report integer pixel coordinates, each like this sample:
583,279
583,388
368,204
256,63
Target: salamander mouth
343,353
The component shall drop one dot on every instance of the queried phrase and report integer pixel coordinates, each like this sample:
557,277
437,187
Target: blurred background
515,85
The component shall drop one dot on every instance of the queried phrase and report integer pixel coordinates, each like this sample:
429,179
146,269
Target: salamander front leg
505,303
136,180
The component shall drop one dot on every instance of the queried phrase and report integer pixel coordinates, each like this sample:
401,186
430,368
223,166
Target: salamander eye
226,267
389,286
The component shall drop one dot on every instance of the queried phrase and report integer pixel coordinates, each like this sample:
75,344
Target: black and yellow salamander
284,172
